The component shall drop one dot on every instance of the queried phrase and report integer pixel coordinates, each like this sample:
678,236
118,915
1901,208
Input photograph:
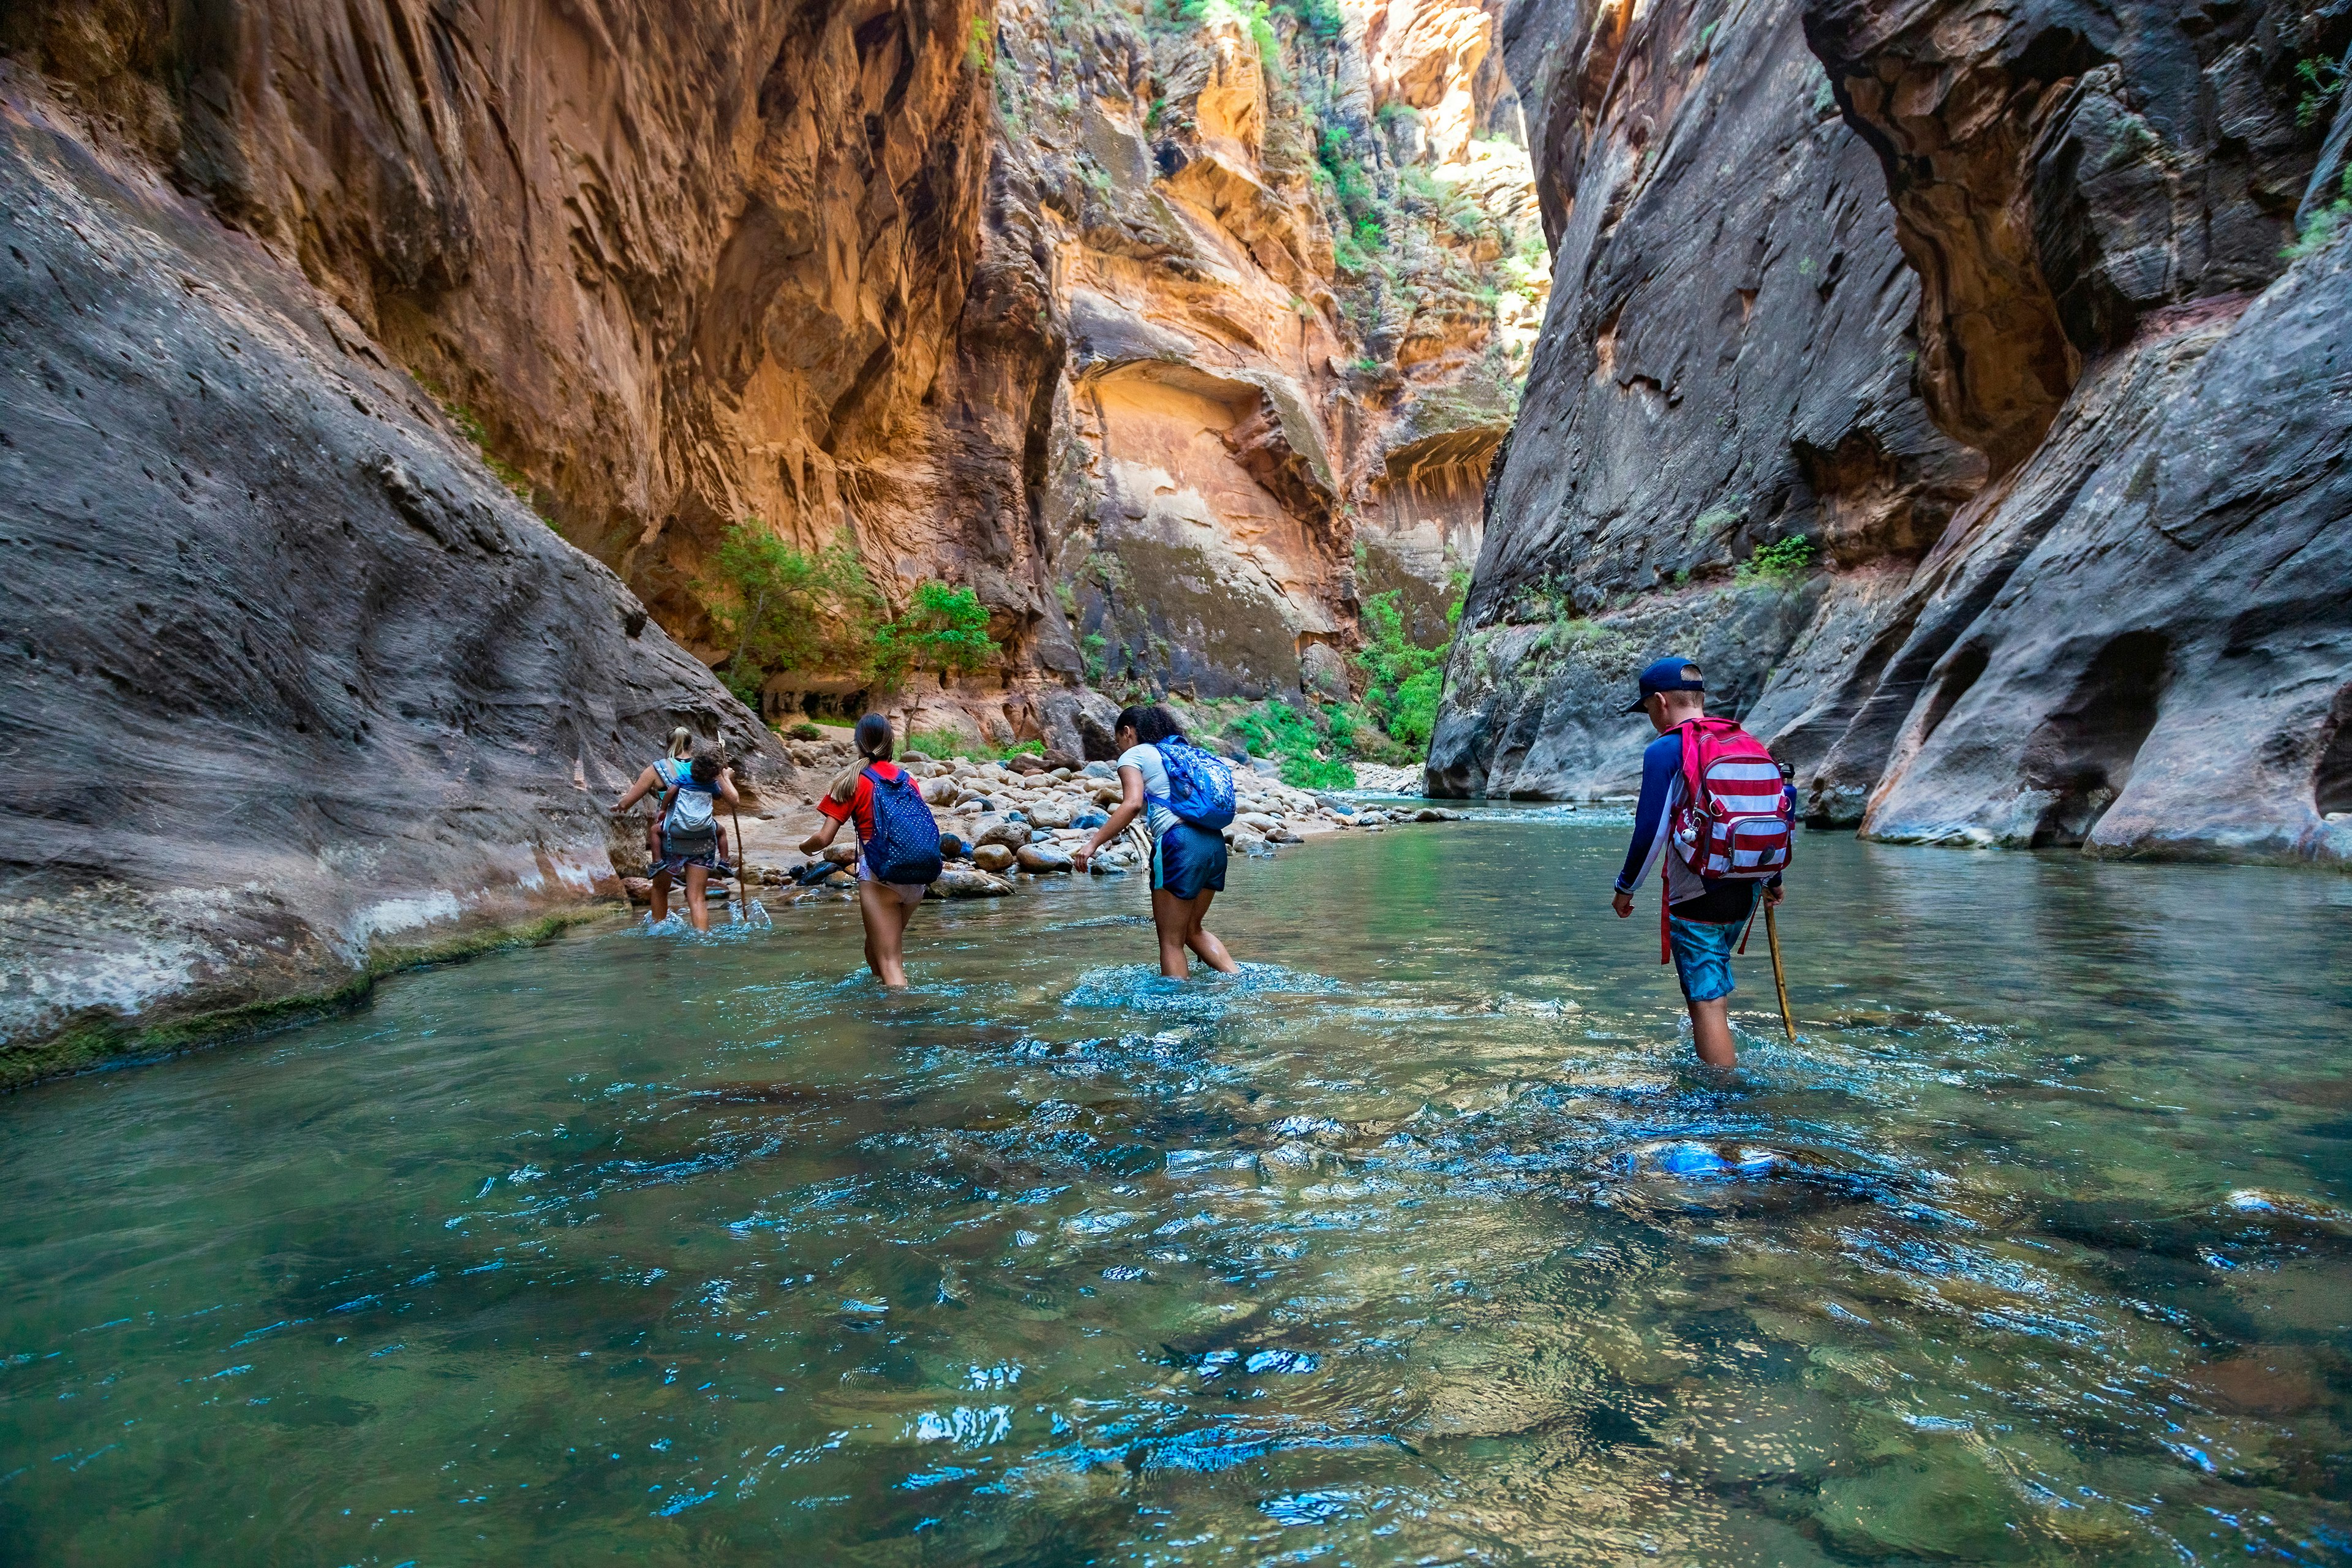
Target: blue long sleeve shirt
1654,816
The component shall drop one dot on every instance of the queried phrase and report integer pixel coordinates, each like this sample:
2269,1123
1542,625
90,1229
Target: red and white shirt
859,807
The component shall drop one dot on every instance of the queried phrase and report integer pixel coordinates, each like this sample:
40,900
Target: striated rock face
2094,595
682,263
1727,363
292,685
2137,640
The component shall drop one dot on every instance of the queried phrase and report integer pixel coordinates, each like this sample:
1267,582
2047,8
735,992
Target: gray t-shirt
1146,760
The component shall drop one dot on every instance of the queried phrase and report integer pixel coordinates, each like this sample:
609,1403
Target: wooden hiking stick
742,901
1780,975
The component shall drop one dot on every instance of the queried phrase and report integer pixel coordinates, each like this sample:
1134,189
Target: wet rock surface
293,683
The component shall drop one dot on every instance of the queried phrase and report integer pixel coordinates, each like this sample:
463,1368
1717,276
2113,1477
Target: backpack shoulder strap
1690,729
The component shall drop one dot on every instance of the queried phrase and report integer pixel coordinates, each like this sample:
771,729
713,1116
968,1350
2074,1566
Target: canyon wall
293,688
2054,399
672,265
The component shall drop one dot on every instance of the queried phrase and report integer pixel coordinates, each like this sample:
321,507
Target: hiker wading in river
1714,804
897,846
1186,797
666,773
690,842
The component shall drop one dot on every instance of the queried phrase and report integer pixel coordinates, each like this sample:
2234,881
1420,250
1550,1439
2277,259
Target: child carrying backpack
1714,804
897,846
1186,796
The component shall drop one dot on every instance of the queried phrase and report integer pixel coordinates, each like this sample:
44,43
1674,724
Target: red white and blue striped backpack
1736,820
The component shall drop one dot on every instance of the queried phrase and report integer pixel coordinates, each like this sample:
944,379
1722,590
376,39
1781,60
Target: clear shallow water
1420,1242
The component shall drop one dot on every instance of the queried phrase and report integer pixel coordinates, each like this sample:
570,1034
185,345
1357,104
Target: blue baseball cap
1671,674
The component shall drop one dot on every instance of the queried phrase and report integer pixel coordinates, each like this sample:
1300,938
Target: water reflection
1419,1239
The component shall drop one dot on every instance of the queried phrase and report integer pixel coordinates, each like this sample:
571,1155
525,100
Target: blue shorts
1189,861
1703,956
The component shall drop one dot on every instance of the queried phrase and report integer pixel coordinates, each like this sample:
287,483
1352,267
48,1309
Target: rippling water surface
1421,1241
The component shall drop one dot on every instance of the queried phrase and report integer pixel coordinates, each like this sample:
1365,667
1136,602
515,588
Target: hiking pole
1780,975
742,903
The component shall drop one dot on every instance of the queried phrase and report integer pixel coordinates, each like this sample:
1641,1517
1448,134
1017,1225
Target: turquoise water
1421,1242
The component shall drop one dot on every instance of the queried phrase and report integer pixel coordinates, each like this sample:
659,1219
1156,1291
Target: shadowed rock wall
289,682
2082,484
1726,362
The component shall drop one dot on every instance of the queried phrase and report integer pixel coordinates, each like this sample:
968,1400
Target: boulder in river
1042,859
1007,832
991,856
960,882
1054,811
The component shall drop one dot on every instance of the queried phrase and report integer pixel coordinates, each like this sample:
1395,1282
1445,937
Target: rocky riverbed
1002,822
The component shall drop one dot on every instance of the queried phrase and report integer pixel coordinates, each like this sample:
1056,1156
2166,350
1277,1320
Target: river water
1423,1241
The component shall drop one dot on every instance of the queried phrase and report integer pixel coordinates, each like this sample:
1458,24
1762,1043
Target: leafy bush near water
784,608
1280,731
1403,679
1317,743
947,743
945,629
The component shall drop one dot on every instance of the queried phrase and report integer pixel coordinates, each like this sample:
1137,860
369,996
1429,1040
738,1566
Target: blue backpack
905,843
1200,786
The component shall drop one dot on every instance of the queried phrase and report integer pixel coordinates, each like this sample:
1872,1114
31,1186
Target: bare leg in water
886,915
698,878
1180,925
1711,1031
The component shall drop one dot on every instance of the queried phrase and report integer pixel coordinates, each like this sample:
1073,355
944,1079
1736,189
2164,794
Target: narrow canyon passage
1419,1241
419,419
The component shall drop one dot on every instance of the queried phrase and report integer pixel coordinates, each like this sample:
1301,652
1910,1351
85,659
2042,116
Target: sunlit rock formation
1258,290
